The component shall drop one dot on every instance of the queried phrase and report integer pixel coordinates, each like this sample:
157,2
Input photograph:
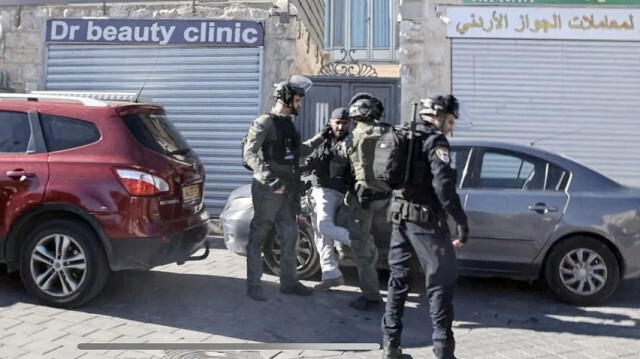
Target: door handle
19,174
542,208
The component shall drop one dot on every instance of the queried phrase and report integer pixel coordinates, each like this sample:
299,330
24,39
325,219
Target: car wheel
308,259
582,270
62,263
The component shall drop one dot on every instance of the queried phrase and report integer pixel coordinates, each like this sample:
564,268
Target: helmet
296,85
437,105
365,105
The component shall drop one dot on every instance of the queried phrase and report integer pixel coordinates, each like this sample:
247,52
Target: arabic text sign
555,2
544,23
161,32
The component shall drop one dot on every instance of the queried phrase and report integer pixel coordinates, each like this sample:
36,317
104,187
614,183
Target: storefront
211,65
561,78
562,75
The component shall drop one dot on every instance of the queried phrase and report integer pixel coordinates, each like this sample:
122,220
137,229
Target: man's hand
327,131
276,185
462,237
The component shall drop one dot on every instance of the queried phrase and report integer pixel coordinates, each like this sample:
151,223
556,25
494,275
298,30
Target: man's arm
444,182
255,139
309,145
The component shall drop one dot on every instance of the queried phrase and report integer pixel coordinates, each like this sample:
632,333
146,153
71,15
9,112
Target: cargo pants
432,245
279,210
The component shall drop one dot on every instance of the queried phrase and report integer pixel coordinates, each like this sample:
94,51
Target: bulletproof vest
319,163
365,137
285,150
420,187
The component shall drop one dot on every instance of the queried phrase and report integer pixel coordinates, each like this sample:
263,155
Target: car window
507,170
61,133
503,170
155,132
16,132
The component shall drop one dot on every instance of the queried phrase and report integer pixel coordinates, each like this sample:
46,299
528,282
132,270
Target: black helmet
441,104
365,105
296,85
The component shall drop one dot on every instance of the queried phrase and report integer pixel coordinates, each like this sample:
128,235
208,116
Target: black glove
275,184
463,232
327,131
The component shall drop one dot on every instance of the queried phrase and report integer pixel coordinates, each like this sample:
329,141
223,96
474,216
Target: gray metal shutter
579,98
211,94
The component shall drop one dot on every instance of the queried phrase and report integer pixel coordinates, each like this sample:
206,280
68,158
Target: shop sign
543,23
159,32
555,2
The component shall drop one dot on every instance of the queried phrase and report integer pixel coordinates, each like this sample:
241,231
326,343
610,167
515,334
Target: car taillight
139,183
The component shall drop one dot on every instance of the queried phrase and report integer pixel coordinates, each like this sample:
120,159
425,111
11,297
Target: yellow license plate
191,193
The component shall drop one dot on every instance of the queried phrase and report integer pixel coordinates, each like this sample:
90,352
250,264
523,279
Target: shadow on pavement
218,306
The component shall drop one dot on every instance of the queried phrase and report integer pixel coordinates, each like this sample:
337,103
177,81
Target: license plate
190,193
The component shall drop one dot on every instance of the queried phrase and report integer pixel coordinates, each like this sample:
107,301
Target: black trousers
432,245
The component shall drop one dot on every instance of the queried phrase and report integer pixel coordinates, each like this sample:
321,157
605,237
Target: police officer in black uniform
419,212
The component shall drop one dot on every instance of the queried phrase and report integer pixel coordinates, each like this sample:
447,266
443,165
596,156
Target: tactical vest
319,163
420,188
285,149
365,137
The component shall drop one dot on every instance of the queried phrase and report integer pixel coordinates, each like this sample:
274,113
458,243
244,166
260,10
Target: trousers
434,250
325,203
272,210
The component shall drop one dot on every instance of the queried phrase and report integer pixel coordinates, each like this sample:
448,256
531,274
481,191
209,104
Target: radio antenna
153,70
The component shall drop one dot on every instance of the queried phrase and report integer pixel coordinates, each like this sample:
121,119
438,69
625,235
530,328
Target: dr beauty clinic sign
159,32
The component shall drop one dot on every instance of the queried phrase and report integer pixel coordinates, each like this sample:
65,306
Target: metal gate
579,98
328,93
210,93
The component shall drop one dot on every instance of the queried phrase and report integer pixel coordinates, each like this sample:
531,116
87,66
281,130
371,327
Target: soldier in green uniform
355,155
273,149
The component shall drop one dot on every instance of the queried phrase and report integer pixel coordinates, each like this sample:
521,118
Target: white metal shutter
579,98
211,94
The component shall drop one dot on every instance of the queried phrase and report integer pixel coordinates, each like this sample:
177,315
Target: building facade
561,75
211,64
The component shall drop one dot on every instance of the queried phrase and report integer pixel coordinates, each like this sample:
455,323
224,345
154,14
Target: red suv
88,186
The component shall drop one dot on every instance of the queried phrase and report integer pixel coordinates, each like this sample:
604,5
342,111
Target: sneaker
297,289
362,303
329,283
389,352
256,293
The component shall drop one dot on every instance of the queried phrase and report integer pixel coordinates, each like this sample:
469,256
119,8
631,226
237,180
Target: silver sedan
532,214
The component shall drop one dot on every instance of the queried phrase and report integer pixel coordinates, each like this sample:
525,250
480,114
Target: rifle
411,139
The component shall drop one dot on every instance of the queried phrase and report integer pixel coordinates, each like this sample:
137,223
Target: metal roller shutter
211,94
579,98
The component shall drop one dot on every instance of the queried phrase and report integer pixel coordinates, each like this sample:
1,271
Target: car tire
306,253
582,270
52,279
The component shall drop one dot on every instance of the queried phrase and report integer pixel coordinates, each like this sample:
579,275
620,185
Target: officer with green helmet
273,149
355,158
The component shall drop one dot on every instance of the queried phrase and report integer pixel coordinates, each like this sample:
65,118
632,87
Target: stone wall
286,49
425,53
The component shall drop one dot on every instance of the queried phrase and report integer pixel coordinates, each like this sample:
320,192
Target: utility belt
401,210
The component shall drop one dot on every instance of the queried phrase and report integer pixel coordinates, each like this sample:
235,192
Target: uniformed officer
326,196
418,211
367,195
273,150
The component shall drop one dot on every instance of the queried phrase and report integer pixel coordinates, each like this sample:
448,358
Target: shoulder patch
443,154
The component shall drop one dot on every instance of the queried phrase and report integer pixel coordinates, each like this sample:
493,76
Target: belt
401,210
